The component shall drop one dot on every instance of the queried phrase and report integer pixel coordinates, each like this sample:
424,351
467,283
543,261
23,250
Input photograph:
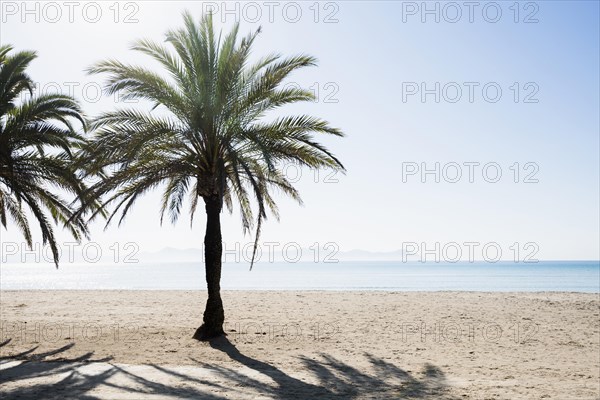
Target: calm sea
571,276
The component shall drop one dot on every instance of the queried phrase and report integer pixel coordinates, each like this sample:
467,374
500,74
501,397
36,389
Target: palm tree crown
36,141
206,136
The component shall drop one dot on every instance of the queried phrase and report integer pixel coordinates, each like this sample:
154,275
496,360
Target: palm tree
205,137
36,139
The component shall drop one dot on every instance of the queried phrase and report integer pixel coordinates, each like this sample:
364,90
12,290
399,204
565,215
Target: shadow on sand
331,379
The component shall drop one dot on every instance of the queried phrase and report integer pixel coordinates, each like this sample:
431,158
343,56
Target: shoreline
381,277
382,291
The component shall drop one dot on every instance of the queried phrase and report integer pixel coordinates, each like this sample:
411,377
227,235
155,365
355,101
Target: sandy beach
303,345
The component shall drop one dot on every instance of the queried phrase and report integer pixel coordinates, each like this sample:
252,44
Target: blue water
571,276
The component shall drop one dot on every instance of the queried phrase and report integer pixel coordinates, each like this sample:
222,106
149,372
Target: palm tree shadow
336,379
25,368
327,378
286,385
30,365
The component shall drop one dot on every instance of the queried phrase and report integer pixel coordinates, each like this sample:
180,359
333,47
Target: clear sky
375,61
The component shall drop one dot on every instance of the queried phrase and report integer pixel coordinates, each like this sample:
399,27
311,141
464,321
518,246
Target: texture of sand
301,345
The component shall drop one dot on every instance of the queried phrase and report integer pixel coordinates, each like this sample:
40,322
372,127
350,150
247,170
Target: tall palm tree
36,142
205,136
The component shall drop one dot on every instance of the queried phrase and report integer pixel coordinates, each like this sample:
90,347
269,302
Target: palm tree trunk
213,249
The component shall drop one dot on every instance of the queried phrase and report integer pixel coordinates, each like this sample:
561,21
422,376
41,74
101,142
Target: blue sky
366,58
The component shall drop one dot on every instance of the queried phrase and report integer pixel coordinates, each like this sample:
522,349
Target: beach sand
301,345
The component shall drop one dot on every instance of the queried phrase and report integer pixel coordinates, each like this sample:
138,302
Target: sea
563,276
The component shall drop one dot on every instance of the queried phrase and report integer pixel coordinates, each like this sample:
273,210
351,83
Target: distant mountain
170,254
273,253
240,253
364,255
